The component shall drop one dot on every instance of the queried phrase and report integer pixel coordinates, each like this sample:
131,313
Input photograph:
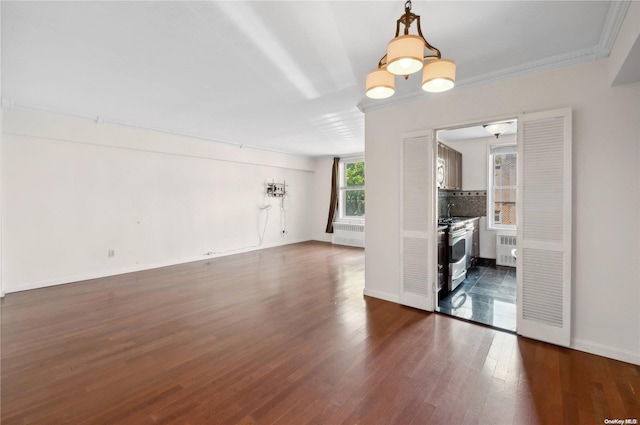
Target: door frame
535,327
470,123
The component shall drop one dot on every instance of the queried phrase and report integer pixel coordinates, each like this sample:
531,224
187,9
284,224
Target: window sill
502,228
350,220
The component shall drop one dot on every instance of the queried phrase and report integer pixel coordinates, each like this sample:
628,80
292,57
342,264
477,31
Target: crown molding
535,67
615,17
613,22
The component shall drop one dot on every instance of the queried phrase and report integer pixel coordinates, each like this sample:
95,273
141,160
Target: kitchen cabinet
457,179
452,166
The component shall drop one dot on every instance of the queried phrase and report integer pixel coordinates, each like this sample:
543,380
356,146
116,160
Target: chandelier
405,56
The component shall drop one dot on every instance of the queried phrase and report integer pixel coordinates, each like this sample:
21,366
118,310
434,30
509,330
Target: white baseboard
322,238
394,298
115,272
606,351
94,275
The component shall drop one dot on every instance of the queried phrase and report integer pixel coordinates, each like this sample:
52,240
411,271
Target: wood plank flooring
281,336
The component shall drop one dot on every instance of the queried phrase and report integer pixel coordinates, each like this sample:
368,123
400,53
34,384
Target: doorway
476,205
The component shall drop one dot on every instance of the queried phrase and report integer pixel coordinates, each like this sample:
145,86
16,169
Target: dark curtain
333,205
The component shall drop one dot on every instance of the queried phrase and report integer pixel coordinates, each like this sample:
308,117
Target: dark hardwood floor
282,336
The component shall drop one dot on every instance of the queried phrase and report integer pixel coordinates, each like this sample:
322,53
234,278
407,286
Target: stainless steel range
457,252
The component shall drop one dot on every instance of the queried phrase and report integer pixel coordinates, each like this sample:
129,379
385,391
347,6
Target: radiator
348,234
505,243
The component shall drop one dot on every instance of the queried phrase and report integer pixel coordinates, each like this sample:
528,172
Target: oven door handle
460,273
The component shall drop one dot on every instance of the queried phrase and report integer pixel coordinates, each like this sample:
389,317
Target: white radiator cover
505,243
348,234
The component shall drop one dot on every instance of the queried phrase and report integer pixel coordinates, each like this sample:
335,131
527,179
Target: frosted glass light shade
405,55
497,128
380,84
438,75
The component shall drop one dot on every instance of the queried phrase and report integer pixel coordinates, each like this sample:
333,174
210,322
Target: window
501,196
352,189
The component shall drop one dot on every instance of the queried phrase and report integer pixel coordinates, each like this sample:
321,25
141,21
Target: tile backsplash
466,203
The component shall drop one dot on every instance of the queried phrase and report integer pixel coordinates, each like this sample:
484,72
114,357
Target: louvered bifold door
417,222
544,226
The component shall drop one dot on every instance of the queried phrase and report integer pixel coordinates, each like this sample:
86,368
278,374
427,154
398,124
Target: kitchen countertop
455,220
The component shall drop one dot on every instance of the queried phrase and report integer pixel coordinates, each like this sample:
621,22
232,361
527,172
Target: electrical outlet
111,253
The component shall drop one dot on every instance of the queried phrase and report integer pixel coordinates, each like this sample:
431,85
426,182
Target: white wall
474,159
73,189
1,286
624,59
2,292
606,191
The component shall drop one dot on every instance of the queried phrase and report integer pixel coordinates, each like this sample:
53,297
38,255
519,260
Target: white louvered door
544,226
418,247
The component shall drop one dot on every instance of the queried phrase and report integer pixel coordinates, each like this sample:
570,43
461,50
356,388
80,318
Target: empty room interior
328,212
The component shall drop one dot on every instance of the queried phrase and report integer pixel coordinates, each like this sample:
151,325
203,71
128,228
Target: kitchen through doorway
476,172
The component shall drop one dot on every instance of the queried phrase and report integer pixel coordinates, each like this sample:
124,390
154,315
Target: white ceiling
285,76
473,132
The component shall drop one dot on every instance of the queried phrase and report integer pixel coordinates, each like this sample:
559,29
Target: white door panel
418,247
544,226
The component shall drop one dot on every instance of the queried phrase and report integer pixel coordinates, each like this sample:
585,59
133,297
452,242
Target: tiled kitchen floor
487,295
